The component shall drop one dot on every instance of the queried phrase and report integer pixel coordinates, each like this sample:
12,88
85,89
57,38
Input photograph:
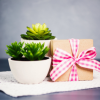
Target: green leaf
14,50
46,37
31,30
30,34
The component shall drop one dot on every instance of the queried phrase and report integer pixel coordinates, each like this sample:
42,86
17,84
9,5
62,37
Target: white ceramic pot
29,72
47,43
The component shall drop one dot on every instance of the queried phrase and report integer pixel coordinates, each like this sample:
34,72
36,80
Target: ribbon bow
62,61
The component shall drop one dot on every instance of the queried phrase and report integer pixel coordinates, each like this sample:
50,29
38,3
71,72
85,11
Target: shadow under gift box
84,44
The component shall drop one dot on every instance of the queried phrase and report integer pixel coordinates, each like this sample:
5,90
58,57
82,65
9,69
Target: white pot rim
38,40
29,60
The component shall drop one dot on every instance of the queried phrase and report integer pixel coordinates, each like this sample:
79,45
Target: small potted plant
38,33
33,67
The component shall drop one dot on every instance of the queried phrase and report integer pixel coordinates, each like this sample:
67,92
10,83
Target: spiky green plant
38,32
34,51
14,50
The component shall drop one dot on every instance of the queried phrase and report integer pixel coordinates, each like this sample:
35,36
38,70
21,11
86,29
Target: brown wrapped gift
83,73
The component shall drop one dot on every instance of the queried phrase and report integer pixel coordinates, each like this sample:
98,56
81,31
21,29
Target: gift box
84,44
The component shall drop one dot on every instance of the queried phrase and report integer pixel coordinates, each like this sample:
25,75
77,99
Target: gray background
65,18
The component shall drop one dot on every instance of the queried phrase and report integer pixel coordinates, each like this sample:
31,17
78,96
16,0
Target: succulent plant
35,51
32,51
14,50
38,32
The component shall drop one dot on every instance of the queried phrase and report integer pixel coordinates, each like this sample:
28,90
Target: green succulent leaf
40,28
44,26
14,50
41,32
31,30
30,34
24,36
37,27
47,32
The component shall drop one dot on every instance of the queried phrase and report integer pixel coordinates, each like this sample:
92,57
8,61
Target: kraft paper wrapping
83,73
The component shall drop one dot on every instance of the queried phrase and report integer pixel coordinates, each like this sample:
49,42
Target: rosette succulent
38,32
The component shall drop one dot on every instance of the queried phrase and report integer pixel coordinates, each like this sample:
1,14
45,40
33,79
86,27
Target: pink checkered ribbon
62,61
